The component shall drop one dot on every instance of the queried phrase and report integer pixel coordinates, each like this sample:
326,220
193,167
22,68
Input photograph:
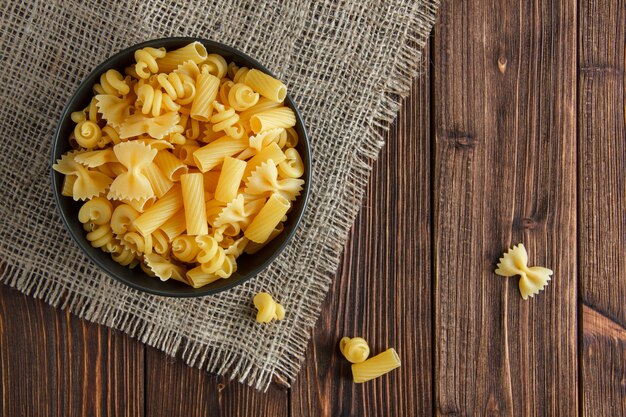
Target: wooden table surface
514,133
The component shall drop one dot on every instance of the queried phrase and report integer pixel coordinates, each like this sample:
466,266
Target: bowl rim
92,77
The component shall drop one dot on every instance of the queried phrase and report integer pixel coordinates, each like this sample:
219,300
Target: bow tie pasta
185,163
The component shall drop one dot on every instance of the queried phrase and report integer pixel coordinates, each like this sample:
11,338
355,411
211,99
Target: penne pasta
193,201
229,179
160,212
207,87
195,52
266,85
213,154
262,105
268,218
274,118
377,366
175,225
158,181
170,165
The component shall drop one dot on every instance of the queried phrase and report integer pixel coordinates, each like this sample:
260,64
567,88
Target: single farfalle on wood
532,279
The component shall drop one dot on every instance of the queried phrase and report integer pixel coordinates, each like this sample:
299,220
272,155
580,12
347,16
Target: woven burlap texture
346,65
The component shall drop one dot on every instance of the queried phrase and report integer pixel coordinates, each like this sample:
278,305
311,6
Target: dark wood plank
54,364
505,172
383,290
602,200
175,389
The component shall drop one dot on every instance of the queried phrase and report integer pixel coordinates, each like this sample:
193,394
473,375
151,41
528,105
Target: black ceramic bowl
248,265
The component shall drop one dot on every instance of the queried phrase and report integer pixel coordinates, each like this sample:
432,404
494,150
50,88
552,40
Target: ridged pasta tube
194,51
377,366
266,85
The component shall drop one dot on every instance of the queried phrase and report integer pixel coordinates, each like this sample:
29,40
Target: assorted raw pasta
184,163
356,350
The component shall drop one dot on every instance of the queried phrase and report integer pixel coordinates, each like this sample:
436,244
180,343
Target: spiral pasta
112,82
212,258
153,101
146,61
87,134
227,120
241,97
355,350
179,87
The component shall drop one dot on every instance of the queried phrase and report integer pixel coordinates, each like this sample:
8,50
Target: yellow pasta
268,218
263,104
161,242
87,134
160,212
132,184
114,109
264,182
183,163
175,225
185,248
206,92
171,166
193,198
141,204
88,183
270,119
216,65
146,61
198,278
292,166
377,366
355,350
165,269
532,279
268,308
195,52
68,185
179,87
213,154
229,179
157,127
95,159
272,151
186,153
158,181
241,97
122,219
210,181
266,85
253,247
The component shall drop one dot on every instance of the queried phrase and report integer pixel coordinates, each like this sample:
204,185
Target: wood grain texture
602,201
505,172
54,364
175,389
382,291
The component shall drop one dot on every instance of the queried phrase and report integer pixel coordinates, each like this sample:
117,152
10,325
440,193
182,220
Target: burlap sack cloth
346,63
